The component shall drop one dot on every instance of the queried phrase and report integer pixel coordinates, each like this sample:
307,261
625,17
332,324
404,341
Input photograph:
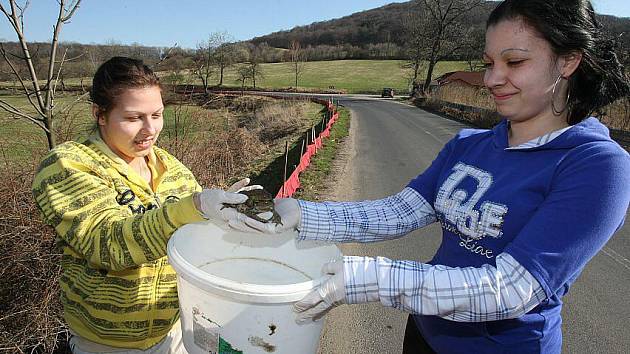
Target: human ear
569,63
97,114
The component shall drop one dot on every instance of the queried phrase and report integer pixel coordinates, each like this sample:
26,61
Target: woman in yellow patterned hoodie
114,201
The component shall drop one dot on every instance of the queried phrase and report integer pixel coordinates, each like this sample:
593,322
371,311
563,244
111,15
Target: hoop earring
555,111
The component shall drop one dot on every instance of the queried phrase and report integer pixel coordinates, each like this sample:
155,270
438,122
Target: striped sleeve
467,294
366,221
81,205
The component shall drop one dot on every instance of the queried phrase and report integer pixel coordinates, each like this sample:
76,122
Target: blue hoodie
552,207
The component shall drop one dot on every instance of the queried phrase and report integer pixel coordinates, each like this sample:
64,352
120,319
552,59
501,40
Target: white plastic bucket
236,290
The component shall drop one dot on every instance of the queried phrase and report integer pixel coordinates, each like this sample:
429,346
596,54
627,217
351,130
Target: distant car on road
388,92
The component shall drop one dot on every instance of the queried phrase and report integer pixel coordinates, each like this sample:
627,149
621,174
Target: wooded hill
373,34
361,33
375,26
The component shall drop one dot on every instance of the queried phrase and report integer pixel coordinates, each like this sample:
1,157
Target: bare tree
40,97
244,74
298,59
224,54
473,48
437,31
174,62
416,45
203,61
214,53
255,69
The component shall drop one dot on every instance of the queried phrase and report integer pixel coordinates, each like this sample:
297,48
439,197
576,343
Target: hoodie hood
587,131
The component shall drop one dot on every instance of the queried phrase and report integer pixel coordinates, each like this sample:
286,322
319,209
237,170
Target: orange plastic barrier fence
293,182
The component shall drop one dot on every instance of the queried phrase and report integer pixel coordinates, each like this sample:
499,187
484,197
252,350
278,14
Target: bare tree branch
22,10
53,53
70,13
27,57
14,110
19,77
43,95
15,56
434,33
74,58
54,89
11,17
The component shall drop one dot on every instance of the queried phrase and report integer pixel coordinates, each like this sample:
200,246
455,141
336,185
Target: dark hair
570,26
116,75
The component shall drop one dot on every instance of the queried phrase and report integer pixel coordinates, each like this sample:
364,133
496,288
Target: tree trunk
432,62
416,69
50,135
427,80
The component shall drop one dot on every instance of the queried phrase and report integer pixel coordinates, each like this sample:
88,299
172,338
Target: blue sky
187,22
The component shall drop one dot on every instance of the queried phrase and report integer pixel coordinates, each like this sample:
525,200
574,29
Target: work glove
210,201
243,185
329,294
287,208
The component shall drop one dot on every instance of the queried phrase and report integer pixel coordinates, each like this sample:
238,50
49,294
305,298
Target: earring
555,111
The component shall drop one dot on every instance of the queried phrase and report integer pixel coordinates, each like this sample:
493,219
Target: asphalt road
391,143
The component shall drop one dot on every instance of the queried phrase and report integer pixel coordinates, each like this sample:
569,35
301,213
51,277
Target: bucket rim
261,292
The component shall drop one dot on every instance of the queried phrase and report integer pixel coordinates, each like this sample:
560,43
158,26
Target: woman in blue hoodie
523,207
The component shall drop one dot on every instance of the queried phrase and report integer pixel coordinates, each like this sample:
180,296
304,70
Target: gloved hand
287,208
210,201
329,294
243,185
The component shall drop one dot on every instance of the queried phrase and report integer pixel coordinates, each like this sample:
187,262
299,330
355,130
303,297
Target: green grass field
353,76
21,140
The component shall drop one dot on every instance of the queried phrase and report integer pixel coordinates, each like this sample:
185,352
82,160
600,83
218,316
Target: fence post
286,161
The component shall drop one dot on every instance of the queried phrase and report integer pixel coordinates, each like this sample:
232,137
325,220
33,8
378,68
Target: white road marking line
617,257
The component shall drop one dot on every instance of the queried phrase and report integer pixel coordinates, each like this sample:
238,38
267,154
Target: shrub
31,318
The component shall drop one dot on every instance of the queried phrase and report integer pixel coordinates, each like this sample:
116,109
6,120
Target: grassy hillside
353,76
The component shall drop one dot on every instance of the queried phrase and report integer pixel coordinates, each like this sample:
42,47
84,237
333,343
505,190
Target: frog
258,201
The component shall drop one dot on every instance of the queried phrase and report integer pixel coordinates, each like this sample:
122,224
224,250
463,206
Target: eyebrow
161,109
519,49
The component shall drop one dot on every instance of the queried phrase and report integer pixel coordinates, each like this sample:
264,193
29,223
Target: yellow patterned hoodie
117,286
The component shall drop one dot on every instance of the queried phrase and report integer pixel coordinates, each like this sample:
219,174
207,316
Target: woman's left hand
329,294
